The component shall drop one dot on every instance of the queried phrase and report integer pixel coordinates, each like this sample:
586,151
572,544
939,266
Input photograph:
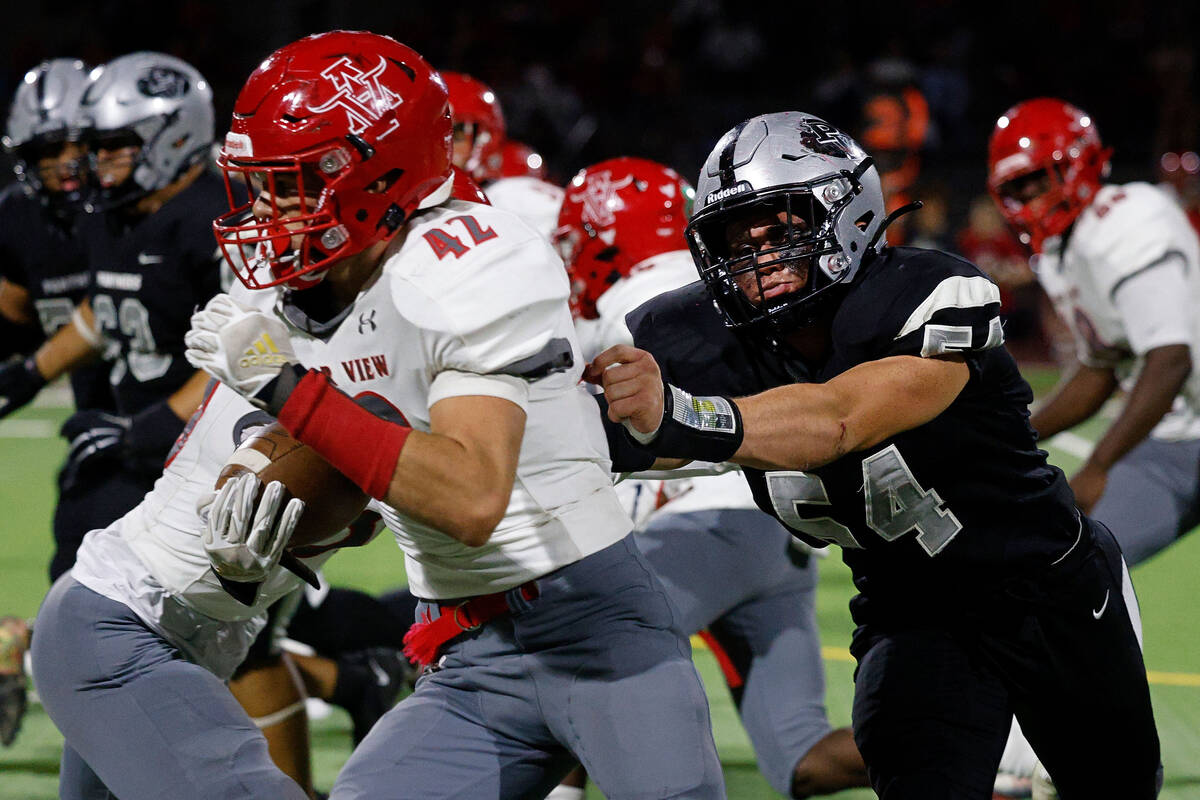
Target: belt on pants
425,638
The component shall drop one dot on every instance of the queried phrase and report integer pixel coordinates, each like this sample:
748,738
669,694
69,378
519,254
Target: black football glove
140,442
20,382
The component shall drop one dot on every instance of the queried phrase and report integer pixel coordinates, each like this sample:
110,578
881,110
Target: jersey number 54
895,504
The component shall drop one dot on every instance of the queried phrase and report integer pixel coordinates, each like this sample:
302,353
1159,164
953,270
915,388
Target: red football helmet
615,215
336,140
519,160
467,189
476,113
1045,165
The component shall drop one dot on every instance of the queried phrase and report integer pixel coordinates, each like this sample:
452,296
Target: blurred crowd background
920,83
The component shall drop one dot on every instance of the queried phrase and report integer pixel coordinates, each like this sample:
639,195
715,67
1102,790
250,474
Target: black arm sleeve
627,455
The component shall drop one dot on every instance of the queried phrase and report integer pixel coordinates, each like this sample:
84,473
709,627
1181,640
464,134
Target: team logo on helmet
163,82
821,137
599,198
362,95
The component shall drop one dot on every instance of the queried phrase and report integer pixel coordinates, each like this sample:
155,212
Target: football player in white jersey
546,637
1122,265
134,644
733,572
482,149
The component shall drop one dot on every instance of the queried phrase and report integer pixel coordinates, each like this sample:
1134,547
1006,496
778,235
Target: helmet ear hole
385,181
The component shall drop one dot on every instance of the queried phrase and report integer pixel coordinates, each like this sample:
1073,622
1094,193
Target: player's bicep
879,399
488,428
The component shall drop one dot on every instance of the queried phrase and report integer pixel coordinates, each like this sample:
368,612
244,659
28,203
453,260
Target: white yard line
28,429
1072,444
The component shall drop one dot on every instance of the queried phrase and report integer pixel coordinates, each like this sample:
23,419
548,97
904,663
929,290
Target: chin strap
892,217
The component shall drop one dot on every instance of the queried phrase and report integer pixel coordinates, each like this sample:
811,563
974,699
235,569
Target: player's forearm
794,427
1074,400
1162,377
803,426
69,348
15,305
187,398
458,478
444,484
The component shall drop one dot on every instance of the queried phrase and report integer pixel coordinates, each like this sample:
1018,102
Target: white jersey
471,301
643,498
152,559
1128,282
532,199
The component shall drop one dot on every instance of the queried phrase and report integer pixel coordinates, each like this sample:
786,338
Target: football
331,500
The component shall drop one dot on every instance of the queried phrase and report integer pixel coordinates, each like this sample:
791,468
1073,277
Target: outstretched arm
800,426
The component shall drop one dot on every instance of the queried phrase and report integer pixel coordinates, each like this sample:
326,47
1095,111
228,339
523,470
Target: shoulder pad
1128,228
913,301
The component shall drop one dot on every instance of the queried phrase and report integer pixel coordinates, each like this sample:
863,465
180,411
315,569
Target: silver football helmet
42,115
822,188
157,103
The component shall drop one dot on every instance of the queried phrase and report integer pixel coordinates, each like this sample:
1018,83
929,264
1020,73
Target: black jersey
148,276
928,519
41,253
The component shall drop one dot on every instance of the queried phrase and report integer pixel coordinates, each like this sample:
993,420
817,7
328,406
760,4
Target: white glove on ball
244,542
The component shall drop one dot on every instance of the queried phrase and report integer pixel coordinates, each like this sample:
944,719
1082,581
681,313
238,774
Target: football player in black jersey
877,409
42,278
147,119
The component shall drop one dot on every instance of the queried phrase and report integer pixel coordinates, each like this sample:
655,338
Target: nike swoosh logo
149,258
1097,614
381,677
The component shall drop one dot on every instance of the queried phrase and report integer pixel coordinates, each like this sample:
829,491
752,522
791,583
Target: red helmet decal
615,215
337,139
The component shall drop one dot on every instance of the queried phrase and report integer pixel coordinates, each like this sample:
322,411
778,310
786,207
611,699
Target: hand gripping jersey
641,498
471,301
1127,281
532,199
41,253
148,277
933,519
152,559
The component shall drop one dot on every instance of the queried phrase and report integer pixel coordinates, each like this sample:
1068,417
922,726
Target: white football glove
241,347
243,541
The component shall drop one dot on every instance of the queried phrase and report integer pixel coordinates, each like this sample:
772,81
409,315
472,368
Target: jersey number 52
895,504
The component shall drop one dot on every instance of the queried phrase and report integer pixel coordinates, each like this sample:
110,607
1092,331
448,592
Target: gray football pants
592,670
739,573
1152,497
140,720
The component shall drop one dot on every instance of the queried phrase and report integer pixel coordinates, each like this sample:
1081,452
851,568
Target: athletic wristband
697,428
358,444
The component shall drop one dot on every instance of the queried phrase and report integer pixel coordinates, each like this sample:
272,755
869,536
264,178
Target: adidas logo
263,353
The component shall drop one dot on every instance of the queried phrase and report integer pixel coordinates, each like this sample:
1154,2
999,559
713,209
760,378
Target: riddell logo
263,353
727,192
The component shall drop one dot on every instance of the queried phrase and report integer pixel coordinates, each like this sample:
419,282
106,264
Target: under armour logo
361,94
366,319
600,199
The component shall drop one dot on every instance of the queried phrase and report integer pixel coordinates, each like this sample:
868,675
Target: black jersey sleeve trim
626,455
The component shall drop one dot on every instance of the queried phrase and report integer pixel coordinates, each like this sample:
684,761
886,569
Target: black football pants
932,706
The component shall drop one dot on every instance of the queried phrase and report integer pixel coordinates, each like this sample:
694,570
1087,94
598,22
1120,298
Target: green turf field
30,453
